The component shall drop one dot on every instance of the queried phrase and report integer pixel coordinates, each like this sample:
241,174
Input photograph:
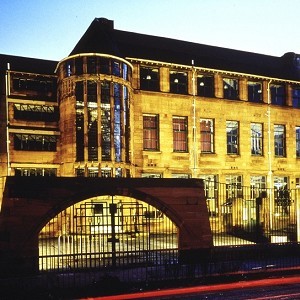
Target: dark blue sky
50,29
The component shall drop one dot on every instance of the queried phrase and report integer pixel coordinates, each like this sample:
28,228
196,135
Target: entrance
107,231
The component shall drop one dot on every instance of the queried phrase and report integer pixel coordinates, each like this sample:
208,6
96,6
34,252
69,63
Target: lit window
281,195
149,79
180,134
297,141
151,175
178,82
232,131
211,194
277,94
233,187
296,97
182,176
257,186
254,91
150,129
205,86
256,139
207,135
279,140
34,142
231,88
93,172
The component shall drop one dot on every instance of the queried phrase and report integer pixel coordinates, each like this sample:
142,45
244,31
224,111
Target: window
181,175
47,172
93,172
256,139
296,97
298,141
92,63
233,187
32,112
232,131
79,172
180,134
178,82
279,140
254,91
150,129
106,172
231,88
92,116
281,195
257,186
79,131
205,86
211,194
277,94
151,175
207,135
34,142
149,79
91,91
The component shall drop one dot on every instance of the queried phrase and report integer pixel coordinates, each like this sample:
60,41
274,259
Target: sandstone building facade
124,104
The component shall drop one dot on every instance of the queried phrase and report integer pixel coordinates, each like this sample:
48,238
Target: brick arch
29,203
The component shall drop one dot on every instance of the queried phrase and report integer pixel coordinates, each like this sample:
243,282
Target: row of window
32,112
205,86
96,65
33,87
207,136
34,142
47,172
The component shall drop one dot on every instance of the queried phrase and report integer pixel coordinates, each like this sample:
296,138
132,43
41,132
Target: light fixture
201,83
148,77
176,80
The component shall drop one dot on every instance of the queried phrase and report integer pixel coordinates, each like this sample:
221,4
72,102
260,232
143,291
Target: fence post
298,213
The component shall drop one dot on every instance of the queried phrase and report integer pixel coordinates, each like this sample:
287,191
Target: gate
107,231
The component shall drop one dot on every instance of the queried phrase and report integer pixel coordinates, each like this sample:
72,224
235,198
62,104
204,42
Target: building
124,104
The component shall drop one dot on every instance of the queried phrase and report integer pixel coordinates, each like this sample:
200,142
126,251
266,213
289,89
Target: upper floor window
34,142
279,141
149,78
178,82
180,134
277,93
297,141
254,91
256,139
296,97
32,112
232,131
205,86
150,132
33,87
207,135
231,88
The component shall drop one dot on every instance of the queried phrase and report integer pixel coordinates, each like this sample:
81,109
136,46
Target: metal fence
245,215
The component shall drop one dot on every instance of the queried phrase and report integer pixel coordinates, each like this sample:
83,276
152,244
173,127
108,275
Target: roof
101,37
28,65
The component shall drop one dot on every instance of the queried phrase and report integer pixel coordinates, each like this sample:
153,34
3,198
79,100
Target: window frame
256,141
150,132
232,139
279,142
207,136
180,133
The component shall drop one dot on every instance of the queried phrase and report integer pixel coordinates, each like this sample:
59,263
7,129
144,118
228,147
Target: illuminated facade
124,104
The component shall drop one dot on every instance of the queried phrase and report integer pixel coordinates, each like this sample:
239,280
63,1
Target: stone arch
29,202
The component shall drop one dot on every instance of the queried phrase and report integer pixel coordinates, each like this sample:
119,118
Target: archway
106,231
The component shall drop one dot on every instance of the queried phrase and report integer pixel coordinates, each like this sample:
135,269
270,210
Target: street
263,289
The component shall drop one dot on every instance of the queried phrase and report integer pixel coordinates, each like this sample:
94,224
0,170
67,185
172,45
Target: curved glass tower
94,95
